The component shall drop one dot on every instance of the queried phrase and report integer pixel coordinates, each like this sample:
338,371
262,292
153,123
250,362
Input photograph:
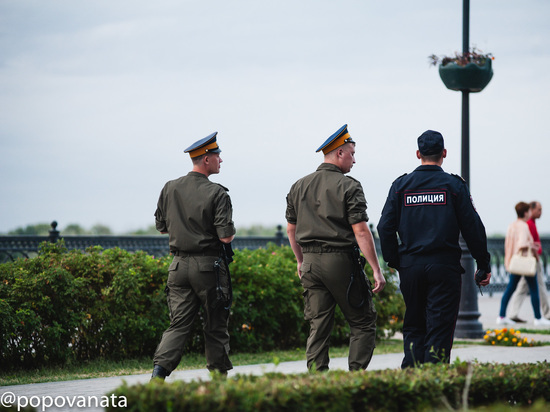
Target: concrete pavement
72,391
489,307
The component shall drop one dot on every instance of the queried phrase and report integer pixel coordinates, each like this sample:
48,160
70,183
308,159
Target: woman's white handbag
523,265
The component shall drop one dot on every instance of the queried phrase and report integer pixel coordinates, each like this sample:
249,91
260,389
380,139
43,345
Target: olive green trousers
191,285
326,279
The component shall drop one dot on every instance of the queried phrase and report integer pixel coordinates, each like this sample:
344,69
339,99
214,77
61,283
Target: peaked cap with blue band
203,146
340,138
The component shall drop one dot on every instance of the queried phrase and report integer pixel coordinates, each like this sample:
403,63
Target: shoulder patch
458,177
404,174
223,187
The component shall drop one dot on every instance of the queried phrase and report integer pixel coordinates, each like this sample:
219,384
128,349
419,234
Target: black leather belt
317,248
181,253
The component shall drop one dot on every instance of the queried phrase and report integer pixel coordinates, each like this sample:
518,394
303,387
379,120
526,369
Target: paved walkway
66,392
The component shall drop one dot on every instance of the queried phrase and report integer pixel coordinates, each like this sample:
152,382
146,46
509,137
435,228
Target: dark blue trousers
432,298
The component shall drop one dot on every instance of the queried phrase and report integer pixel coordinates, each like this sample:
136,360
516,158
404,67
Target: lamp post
465,162
467,325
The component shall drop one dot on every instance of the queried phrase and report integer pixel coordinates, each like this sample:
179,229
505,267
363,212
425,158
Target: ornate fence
13,247
24,246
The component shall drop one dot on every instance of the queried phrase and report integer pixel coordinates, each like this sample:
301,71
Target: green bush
71,305
63,306
433,386
267,311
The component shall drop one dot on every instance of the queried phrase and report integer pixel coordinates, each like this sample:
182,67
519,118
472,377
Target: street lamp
468,325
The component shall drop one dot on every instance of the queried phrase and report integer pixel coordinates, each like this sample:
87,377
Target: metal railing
25,246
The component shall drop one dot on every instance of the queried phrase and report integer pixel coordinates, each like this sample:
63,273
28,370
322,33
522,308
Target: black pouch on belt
359,289
224,291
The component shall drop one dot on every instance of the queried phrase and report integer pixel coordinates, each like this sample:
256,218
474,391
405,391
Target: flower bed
508,337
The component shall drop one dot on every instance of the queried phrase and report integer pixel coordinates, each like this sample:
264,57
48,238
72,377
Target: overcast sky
98,100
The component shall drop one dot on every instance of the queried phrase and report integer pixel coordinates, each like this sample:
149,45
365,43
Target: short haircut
521,209
432,158
197,160
533,204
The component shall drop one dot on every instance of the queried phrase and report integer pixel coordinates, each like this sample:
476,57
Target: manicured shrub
38,315
65,305
267,311
72,305
433,387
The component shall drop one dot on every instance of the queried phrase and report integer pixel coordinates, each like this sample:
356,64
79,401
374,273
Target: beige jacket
518,237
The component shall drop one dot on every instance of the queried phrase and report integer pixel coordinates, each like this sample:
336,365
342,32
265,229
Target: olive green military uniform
323,206
196,213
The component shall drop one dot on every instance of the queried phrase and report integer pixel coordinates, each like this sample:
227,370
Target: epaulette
352,178
458,177
404,174
223,187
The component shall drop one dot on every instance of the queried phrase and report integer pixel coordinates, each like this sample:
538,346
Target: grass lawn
104,368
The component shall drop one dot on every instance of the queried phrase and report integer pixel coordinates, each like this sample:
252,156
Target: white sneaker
542,322
505,321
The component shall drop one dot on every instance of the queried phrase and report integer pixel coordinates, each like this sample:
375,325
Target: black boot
159,373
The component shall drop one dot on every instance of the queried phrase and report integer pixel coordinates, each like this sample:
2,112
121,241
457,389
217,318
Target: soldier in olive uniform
197,215
327,218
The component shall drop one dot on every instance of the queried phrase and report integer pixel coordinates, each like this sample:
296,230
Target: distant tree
99,229
73,229
253,230
43,229
151,230
39,229
257,230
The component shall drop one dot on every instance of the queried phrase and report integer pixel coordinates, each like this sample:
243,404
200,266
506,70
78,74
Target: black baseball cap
430,143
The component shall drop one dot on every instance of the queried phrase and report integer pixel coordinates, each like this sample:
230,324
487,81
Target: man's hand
291,231
482,278
379,281
227,240
366,243
299,266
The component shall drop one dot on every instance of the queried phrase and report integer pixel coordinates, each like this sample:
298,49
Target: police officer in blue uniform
419,229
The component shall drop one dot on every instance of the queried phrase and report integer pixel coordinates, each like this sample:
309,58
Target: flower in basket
462,59
508,337
467,72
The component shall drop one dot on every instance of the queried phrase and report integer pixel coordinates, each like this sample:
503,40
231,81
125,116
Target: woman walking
519,240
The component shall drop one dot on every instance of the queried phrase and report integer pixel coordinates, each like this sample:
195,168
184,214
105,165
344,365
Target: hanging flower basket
471,78
469,72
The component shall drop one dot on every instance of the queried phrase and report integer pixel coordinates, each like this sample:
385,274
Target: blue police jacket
424,214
